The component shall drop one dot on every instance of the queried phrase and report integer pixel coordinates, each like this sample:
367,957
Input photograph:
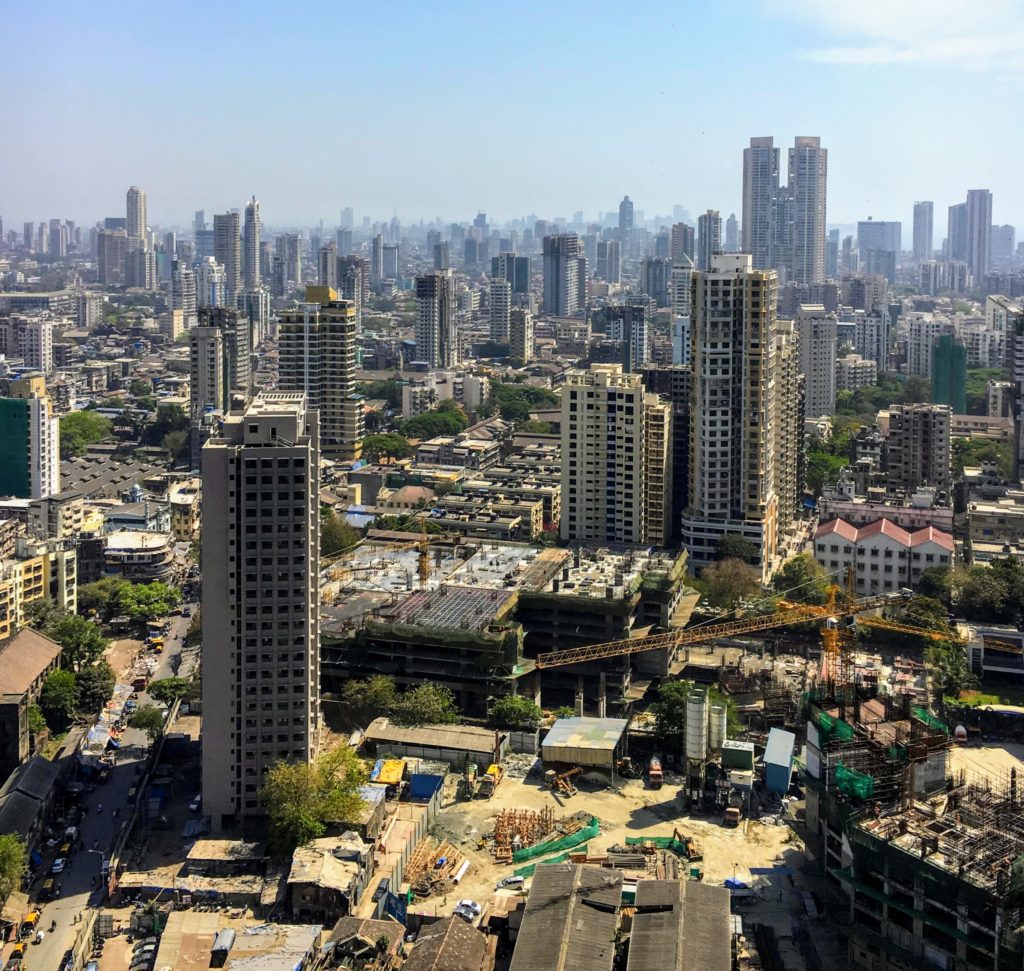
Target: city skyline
833,58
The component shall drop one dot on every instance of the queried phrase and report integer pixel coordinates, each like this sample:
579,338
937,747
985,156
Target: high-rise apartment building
111,250
288,249
871,337
760,190
377,260
808,178
739,400
135,222
709,238
354,283
30,338
221,359
512,267
949,373
327,266
956,236
565,275
924,233
392,259
732,234
211,284
251,250
608,260
922,332
442,255
979,233
655,273
227,250
29,441
626,221
918,446
616,459
260,609
317,345
817,331
520,340
682,241
499,309
437,340
627,323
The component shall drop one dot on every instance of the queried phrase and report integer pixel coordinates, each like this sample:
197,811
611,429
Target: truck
732,817
654,774
490,780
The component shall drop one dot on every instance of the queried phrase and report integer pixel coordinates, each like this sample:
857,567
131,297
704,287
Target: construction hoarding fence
588,832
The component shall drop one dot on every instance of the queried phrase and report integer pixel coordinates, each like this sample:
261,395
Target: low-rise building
25,661
449,944
138,556
884,557
854,371
459,450
184,498
327,877
354,944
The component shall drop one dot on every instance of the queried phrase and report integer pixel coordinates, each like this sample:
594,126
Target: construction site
474,615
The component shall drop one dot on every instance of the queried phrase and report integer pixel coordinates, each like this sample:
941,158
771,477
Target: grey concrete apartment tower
260,617
252,244
760,191
227,250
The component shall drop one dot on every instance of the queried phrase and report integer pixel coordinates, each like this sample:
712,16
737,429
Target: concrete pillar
579,696
602,698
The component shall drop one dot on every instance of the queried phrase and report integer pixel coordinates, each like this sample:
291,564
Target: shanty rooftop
188,939
570,920
316,863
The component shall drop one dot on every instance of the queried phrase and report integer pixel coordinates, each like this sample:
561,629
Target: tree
99,596
302,798
729,581
535,427
80,640
175,443
516,713
80,429
426,704
169,690
95,684
148,719
921,611
371,698
802,578
139,388
565,711
441,421
951,673
144,602
670,713
967,451
821,469
58,699
982,596
13,863
936,583
43,615
386,445
36,721
337,535
732,546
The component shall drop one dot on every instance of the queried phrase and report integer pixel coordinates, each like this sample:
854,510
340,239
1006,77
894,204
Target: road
99,829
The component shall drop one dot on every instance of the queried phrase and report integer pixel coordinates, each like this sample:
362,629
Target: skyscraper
682,242
919,447
760,189
626,221
924,233
377,260
654,279
979,233
221,359
327,266
741,412
211,284
288,247
956,236
949,373
260,609
616,459
135,223
608,261
808,180
565,275
252,244
499,309
709,238
817,332
227,250
628,323
29,441
199,221
317,342
437,341
732,234
111,251
512,267
390,266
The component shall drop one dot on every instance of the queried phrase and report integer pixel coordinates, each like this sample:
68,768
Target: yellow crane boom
786,615
883,624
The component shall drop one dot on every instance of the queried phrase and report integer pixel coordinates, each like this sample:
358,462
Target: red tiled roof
888,528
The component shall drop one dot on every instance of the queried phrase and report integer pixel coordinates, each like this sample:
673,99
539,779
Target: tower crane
788,613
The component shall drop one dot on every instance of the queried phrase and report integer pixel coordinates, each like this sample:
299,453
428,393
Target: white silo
717,727
697,725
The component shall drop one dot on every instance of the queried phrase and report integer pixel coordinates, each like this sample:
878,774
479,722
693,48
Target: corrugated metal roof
570,920
680,926
779,750
596,733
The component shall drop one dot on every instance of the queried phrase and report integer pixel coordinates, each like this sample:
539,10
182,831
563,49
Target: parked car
467,915
510,883
471,905
382,888
59,864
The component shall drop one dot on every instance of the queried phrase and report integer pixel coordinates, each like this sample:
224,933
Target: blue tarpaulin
423,786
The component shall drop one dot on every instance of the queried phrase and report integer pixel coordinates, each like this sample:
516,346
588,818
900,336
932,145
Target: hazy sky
426,109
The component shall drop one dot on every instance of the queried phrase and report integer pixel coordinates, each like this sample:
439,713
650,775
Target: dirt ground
992,759
121,653
629,811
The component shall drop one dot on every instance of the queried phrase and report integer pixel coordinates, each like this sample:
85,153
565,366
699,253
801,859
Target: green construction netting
922,714
897,753
661,842
829,728
527,871
854,783
555,846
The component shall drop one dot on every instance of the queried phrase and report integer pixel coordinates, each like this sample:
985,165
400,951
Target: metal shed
585,741
778,761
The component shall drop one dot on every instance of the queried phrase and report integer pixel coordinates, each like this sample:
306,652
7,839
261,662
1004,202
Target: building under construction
473,615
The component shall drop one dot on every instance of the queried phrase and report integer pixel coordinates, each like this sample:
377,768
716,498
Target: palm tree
951,673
